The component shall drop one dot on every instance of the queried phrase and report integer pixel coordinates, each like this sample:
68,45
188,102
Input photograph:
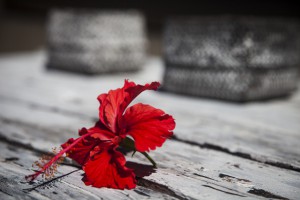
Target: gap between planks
160,186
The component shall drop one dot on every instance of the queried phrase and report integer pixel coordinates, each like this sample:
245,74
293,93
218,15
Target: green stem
149,158
128,144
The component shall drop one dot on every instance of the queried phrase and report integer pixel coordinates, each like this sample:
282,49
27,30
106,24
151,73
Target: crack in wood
11,159
238,154
229,178
227,188
205,177
44,184
213,182
266,194
160,188
141,193
231,193
47,108
216,184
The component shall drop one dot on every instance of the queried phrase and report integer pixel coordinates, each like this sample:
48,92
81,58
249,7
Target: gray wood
253,130
41,109
184,171
16,162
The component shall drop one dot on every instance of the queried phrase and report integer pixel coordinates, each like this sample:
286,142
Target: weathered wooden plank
185,171
275,147
15,164
58,104
20,157
265,131
75,92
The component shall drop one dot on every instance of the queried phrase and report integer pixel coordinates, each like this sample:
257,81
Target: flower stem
128,144
150,159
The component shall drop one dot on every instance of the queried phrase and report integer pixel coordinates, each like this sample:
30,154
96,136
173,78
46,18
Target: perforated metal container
95,41
232,58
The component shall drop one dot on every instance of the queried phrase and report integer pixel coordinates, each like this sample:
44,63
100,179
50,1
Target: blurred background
24,22
82,35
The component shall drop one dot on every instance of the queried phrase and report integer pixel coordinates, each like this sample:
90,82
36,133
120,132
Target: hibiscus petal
89,145
107,169
149,127
113,104
134,90
101,132
81,151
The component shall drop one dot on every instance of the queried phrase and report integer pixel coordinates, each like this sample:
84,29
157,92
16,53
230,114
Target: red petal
113,104
150,127
101,132
107,169
88,146
81,151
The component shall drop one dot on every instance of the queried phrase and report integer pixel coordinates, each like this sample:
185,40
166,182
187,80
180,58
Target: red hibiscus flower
96,150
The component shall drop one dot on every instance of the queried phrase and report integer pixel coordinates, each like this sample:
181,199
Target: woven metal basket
232,58
92,41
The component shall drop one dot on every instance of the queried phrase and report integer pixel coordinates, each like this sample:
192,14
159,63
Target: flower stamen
48,165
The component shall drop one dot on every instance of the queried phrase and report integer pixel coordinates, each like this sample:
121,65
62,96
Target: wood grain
221,150
185,171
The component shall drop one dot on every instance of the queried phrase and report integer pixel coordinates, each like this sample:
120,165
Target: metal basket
92,41
232,58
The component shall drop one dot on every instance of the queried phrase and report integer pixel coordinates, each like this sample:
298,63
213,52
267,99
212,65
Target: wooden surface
221,150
